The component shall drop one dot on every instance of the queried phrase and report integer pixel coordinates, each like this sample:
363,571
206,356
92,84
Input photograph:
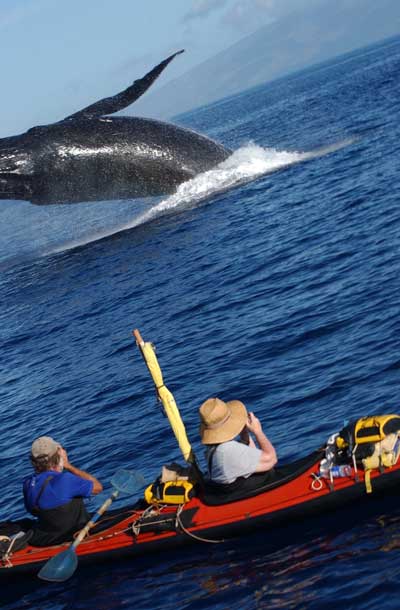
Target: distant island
318,33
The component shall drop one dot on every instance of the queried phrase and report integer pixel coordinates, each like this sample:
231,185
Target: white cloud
203,8
248,15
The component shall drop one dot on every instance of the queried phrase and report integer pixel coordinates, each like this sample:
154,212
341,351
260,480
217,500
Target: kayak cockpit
214,494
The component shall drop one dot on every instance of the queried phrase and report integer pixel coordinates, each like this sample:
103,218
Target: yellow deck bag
372,441
170,492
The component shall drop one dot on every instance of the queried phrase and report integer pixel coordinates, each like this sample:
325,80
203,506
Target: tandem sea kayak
294,493
196,511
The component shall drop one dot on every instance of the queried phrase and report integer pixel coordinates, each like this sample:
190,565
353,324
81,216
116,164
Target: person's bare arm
268,457
97,486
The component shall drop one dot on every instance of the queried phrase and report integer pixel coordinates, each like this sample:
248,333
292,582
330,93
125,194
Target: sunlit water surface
275,279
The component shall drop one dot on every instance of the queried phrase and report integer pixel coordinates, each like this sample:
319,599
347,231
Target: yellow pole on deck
166,397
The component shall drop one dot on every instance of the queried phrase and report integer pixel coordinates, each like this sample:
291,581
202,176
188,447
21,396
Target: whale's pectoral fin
121,100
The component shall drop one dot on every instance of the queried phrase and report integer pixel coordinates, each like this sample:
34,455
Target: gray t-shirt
230,460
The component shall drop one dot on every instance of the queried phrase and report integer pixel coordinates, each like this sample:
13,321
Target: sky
58,56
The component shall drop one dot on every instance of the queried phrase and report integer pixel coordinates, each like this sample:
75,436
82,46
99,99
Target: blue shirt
63,487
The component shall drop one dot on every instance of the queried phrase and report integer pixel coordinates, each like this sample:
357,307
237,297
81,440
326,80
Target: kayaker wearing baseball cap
54,493
228,458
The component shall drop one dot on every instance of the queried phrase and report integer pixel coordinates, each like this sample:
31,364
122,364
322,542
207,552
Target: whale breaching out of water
91,156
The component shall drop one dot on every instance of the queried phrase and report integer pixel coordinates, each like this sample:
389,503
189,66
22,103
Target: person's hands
64,457
65,463
253,424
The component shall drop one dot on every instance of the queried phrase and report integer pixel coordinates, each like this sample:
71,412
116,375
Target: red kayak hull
134,531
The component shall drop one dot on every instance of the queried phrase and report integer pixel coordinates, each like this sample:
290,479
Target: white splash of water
245,164
242,166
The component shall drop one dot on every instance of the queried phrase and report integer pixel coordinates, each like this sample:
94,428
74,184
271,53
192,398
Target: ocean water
274,279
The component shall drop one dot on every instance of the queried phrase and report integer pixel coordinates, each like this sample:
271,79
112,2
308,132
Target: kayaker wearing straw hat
227,458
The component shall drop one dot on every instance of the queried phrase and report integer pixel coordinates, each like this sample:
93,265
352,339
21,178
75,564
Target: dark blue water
274,279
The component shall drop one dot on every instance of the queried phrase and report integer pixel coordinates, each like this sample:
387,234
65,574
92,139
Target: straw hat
221,421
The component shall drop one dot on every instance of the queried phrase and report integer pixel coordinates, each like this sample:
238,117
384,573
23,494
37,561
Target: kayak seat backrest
15,543
214,494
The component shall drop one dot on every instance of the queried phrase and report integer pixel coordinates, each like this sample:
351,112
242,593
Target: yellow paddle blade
166,397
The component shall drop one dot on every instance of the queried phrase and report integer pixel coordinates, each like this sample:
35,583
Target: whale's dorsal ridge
109,105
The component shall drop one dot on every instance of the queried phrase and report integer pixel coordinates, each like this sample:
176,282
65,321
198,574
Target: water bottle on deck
342,471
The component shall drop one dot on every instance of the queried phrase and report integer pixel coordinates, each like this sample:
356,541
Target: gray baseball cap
44,446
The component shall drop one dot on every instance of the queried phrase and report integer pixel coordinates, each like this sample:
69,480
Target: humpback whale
92,156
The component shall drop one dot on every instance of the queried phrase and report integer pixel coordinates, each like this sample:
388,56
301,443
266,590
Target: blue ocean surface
273,279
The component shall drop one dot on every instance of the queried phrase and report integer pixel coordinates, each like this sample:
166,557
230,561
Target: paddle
61,567
166,397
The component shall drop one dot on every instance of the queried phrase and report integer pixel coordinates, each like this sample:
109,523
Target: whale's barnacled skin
90,157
